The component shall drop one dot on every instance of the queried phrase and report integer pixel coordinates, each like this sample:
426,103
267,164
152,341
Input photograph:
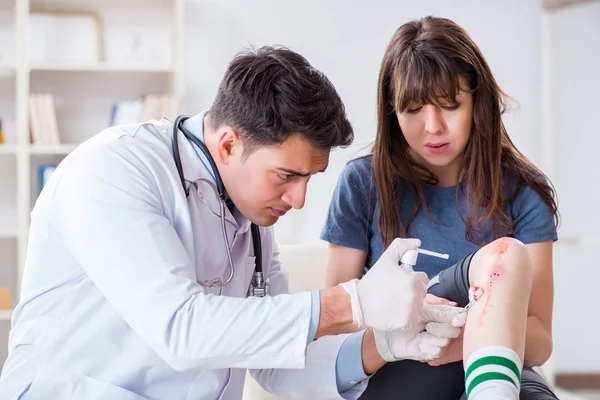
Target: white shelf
8,234
5,315
101,68
62,149
67,4
84,97
8,149
6,71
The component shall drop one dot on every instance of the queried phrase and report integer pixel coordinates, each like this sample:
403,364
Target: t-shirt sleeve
532,218
349,215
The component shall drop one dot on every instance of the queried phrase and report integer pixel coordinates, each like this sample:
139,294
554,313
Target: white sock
493,373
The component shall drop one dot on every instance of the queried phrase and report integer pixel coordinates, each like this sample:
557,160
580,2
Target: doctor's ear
228,144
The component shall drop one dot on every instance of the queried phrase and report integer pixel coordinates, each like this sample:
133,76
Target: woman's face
438,135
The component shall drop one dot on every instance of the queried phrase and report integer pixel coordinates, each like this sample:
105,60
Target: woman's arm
343,264
538,343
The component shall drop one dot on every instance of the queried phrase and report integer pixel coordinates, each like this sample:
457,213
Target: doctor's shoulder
118,154
142,144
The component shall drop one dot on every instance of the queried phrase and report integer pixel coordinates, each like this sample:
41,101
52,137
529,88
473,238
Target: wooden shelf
101,68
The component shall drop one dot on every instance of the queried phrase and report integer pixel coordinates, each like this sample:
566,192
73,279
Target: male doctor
127,291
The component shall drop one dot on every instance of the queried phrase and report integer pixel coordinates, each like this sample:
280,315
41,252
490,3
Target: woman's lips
437,148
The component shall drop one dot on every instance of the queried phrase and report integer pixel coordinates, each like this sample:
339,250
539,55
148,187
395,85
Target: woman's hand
454,351
434,300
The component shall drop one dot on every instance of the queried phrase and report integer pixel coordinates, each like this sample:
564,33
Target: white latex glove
388,297
425,341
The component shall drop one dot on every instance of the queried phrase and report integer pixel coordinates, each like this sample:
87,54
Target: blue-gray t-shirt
352,218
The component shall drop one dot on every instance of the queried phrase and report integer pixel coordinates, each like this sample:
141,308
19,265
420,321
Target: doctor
142,256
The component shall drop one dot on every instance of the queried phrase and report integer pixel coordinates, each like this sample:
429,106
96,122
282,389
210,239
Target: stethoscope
259,286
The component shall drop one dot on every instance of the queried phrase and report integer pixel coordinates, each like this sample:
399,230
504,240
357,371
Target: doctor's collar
195,125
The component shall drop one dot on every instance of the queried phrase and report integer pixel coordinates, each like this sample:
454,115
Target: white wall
576,86
346,40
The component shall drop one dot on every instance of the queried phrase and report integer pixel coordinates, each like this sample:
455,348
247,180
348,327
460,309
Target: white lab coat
111,308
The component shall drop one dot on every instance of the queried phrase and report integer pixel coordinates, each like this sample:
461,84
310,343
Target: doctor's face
271,180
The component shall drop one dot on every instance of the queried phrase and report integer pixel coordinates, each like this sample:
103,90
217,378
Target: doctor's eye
285,177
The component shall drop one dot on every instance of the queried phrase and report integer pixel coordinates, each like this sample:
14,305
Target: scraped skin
500,276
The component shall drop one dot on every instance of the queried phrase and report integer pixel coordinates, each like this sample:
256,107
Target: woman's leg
533,387
494,334
415,380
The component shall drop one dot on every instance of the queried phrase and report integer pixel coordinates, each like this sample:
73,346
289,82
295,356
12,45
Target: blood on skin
478,292
499,247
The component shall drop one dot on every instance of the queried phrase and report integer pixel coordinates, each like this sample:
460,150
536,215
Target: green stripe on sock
493,360
489,376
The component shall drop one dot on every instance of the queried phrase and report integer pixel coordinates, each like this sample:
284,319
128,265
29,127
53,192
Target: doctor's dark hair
271,93
424,63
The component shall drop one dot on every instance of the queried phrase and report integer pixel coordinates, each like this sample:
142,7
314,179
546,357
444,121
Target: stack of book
42,118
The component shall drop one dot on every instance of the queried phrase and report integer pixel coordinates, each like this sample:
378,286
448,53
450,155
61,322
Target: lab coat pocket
94,389
37,331
249,268
77,387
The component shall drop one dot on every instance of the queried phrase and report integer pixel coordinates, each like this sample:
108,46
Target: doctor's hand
453,353
389,297
425,341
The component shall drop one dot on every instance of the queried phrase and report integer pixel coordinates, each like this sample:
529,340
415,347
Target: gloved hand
425,341
388,297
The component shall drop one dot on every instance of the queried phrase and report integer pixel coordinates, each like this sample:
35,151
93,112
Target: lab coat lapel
200,180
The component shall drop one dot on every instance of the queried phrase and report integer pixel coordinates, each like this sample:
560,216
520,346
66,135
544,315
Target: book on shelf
45,172
142,109
6,302
42,119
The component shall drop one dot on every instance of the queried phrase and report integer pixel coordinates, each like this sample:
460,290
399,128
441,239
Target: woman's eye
451,107
413,110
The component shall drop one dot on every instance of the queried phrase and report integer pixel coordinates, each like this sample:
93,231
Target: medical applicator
409,259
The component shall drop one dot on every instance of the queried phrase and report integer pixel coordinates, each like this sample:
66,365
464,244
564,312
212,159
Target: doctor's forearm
538,343
371,358
335,311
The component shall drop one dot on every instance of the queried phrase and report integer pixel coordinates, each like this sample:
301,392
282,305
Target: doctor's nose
433,120
295,196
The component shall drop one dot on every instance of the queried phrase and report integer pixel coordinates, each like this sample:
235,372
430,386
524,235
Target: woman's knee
504,256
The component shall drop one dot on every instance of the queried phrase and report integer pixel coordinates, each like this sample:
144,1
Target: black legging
413,380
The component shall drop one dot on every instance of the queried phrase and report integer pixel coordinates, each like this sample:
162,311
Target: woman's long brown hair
423,63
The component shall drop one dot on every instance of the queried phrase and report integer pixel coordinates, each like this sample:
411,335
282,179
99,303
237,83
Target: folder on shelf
144,108
46,171
126,112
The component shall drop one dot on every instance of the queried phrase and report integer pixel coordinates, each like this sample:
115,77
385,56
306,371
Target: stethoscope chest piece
259,286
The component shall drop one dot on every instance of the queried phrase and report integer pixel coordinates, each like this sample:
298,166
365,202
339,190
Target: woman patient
443,169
